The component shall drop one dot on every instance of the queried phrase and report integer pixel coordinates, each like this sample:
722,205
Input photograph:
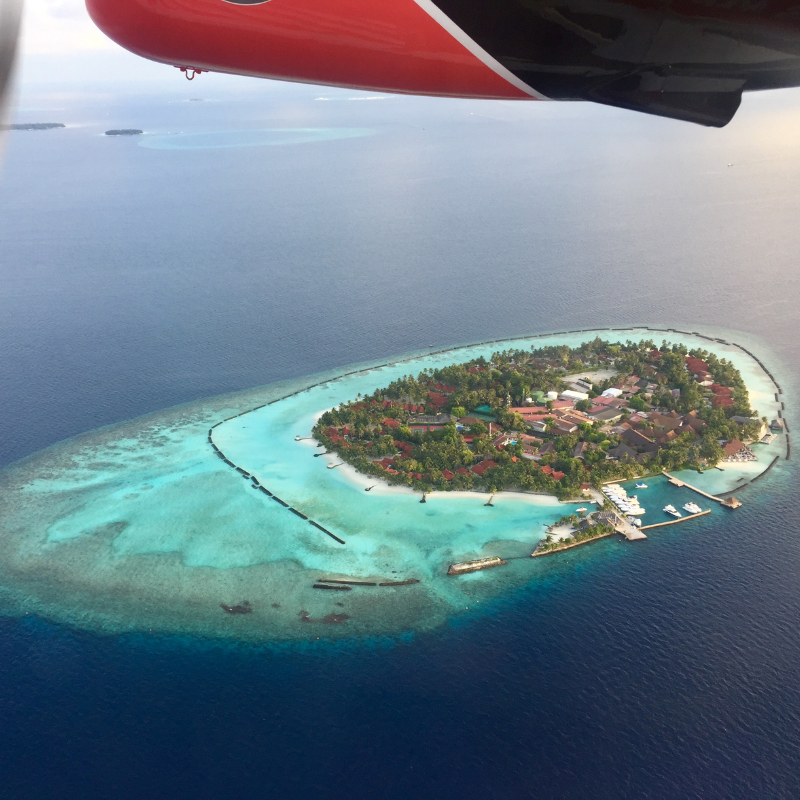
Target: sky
63,51
60,27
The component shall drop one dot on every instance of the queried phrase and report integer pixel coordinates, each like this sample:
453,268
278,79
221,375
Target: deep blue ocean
134,278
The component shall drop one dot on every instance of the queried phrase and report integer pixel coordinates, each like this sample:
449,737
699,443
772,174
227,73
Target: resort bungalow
696,365
732,448
487,463
722,401
622,452
639,440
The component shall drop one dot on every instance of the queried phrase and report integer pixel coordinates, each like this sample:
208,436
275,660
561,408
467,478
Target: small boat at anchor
641,485
581,510
692,508
673,511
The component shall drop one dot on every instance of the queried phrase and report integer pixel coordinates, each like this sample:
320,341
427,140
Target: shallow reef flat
143,526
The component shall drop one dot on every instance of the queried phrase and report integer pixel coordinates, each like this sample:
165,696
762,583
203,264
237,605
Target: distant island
124,132
32,126
558,420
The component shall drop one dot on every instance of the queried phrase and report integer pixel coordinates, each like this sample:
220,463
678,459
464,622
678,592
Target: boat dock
731,502
675,521
629,531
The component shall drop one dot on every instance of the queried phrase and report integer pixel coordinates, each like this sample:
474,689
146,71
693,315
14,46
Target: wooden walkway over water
730,503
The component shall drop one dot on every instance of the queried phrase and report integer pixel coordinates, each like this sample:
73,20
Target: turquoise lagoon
140,526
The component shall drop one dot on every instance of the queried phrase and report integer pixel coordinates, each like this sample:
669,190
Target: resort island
292,511
555,420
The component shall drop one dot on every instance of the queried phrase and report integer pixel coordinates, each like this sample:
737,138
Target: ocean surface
264,234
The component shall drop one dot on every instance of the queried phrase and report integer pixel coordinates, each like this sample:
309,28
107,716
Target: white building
569,394
612,393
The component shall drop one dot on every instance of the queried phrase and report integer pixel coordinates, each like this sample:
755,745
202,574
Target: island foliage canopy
550,419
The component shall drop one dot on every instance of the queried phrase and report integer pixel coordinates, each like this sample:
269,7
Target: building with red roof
696,365
447,475
437,399
479,469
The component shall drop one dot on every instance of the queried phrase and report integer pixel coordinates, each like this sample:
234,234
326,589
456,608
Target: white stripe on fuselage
436,13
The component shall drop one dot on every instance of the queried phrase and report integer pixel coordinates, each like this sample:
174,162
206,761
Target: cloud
60,27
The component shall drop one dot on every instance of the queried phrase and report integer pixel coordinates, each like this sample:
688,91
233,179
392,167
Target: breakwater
562,548
256,484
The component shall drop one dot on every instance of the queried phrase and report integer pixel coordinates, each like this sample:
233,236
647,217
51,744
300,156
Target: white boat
581,510
641,485
635,521
692,508
635,510
673,511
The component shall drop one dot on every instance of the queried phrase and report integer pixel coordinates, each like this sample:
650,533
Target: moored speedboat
673,511
692,508
641,485
581,510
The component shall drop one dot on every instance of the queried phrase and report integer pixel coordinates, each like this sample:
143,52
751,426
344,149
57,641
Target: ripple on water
268,137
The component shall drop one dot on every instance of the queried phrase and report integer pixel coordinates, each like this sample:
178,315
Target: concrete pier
732,503
676,521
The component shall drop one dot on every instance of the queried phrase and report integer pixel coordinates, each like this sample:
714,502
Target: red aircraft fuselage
685,59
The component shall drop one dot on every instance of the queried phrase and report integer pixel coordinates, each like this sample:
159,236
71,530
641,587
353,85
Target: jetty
630,532
731,502
676,521
620,525
474,566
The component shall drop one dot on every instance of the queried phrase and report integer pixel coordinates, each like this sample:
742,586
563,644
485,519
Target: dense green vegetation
578,536
413,419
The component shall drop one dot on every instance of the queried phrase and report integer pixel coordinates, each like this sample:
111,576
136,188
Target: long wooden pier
729,503
674,521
